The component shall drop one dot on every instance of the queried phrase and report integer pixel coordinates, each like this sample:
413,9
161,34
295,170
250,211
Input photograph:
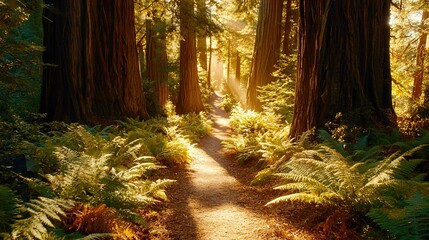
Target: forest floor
213,199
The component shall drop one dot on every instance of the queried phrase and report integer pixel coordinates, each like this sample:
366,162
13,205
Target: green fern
8,208
41,213
409,222
324,176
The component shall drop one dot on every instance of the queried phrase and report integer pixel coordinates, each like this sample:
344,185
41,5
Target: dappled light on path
215,202
213,199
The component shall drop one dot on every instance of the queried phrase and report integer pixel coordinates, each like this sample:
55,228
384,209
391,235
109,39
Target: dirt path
213,200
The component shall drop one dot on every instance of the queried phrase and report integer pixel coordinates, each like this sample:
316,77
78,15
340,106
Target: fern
8,208
409,222
324,176
41,213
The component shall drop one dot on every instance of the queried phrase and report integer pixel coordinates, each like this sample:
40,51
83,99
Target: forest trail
213,200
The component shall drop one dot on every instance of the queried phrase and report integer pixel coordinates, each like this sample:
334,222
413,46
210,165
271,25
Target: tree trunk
287,28
189,97
209,71
202,34
238,67
343,64
421,52
157,63
96,74
65,92
266,50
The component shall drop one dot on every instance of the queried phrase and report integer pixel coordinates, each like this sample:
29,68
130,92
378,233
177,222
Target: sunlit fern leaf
263,176
137,171
396,166
410,222
302,197
157,189
41,212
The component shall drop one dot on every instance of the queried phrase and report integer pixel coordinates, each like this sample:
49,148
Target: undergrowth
251,129
60,180
381,182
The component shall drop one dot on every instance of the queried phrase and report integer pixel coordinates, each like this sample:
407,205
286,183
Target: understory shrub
250,130
380,182
56,177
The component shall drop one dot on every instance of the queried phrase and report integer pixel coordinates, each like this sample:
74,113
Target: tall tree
266,50
287,28
157,63
344,63
420,58
93,74
189,97
202,33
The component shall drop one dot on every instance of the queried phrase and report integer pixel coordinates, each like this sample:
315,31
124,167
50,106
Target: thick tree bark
287,28
157,63
96,74
209,70
344,63
202,34
266,50
65,93
189,97
421,52
237,67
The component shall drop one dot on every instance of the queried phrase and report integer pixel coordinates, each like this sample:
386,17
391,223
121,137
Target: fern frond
42,212
396,166
302,197
157,189
8,207
137,171
364,155
331,142
410,222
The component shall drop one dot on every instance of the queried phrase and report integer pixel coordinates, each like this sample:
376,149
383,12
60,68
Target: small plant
228,102
411,221
38,214
8,208
356,181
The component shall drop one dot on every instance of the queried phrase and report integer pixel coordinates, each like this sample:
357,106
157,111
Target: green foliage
192,125
256,135
111,166
279,96
410,221
20,56
325,176
8,208
382,182
39,214
228,102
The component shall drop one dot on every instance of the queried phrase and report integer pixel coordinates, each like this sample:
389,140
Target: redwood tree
202,33
93,71
287,28
157,63
344,63
189,97
420,59
266,50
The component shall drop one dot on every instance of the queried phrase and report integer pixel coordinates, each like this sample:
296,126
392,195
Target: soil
213,198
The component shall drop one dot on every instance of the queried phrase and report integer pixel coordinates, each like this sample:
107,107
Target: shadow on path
212,199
